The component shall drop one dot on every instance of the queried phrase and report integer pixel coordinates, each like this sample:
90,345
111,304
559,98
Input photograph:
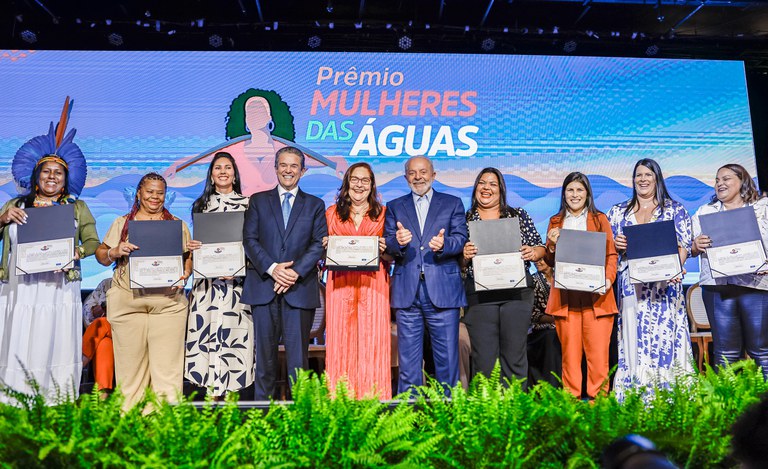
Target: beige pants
148,334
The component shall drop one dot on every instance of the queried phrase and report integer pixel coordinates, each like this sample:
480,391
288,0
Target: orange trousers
582,333
97,347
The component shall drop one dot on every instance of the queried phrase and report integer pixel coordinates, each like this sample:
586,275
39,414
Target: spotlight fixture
329,7
331,25
359,25
29,36
215,40
115,39
314,42
405,42
488,44
570,47
555,30
652,50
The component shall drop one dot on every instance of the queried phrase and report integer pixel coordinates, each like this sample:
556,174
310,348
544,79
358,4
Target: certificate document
155,272
497,271
499,262
46,242
737,259
734,251
44,256
582,277
158,263
214,260
222,253
652,252
580,261
352,253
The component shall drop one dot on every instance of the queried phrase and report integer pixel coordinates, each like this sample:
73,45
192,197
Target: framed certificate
222,253
499,262
155,272
652,252
737,259
580,261
46,242
352,253
497,271
734,251
158,263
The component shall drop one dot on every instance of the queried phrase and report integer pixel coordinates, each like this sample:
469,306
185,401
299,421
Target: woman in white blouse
737,306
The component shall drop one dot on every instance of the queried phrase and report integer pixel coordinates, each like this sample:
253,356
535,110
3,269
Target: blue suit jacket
267,241
442,273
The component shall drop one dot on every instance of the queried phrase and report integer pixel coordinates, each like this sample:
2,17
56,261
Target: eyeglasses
356,180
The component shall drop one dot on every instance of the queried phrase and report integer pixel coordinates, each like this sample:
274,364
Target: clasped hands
284,277
404,236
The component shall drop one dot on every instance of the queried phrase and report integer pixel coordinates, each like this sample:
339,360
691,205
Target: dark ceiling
663,28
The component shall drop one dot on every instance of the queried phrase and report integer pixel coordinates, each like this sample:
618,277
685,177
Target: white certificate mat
498,271
44,256
214,260
155,272
737,259
581,277
352,253
654,269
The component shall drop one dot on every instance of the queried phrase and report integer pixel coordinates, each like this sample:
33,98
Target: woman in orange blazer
583,320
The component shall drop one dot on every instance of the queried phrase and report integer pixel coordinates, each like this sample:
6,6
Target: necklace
359,212
40,202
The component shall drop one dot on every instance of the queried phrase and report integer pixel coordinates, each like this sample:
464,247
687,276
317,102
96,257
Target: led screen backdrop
534,117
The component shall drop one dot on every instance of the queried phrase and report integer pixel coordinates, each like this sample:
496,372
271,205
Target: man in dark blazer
283,239
425,232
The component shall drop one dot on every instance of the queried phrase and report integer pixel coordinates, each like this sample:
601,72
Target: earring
271,125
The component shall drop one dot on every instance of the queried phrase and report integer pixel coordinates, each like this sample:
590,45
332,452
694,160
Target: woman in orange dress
357,302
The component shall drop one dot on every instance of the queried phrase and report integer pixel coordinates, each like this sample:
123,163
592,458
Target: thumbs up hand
437,242
403,235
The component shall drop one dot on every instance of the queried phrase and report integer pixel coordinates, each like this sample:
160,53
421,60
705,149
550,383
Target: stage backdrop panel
536,118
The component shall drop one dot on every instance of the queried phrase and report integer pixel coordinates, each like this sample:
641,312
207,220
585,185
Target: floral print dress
654,339
219,345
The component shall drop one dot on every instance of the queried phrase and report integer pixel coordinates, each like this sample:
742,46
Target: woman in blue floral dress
654,340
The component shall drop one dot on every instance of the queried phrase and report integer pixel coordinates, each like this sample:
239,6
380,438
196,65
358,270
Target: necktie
286,208
421,211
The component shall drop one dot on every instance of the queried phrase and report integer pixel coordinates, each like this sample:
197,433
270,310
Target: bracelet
109,258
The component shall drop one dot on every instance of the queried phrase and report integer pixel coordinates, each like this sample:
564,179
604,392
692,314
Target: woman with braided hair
148,324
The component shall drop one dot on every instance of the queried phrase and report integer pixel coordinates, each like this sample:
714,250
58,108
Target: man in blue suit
425,232
283,239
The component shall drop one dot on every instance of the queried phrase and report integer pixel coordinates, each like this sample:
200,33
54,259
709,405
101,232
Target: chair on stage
701,332
316,348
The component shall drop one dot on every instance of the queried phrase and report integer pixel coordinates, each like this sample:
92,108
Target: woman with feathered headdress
41,325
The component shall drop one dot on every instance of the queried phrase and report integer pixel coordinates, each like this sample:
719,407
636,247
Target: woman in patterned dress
654,341
219,349
498,320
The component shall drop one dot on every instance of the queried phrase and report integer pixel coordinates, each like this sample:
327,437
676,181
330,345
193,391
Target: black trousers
499,331
544,357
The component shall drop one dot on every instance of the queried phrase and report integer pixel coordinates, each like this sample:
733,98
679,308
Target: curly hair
281,115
